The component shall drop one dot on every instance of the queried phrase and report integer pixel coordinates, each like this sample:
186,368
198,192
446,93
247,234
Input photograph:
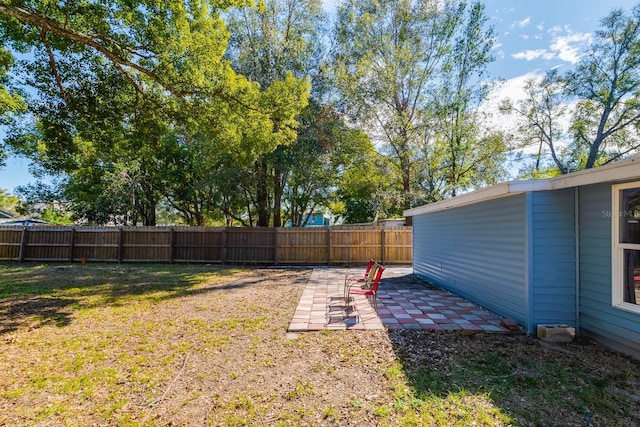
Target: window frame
617,250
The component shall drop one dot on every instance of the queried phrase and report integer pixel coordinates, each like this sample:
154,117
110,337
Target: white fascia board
619,171
624,170
490,193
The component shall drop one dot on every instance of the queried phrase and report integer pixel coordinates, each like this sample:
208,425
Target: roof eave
495,192
623,170
628,169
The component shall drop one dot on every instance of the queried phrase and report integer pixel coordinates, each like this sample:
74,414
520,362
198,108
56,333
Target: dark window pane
631,292
630,215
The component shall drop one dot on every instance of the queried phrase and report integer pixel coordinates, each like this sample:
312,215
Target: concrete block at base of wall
556,333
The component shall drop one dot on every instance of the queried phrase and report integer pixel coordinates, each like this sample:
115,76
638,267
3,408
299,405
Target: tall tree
599,98
100,135
390,57
326,152
366,189
606,82
267,42
541,115
173,47
118,83
458,148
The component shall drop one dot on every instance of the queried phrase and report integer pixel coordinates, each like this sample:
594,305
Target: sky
536,36
532,37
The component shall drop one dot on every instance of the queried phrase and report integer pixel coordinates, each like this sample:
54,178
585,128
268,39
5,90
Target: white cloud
568,47
558,29
540,26
512,89
330,6
520,24
530,55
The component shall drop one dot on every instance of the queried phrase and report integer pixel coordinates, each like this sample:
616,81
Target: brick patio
404,302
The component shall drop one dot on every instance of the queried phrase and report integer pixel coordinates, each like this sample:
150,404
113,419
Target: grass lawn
207,345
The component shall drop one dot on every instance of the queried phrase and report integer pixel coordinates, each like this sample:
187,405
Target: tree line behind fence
232,245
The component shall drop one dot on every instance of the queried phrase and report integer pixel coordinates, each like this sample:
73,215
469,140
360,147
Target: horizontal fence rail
226,245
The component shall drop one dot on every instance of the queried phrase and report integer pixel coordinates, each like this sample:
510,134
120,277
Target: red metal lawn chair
365,278
362,278
370,291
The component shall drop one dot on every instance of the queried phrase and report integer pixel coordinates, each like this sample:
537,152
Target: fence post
23,243
120,245
172,243
382,243
72,243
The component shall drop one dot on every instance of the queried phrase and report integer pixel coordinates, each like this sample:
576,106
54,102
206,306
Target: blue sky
532,37
536,36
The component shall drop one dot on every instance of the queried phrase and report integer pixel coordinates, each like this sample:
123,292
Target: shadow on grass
33,295
462,377
515,379
14,313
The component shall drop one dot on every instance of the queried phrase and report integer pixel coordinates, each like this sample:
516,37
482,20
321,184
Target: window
626,246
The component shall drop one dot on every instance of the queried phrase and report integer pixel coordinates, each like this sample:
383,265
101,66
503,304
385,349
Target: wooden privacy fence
321,245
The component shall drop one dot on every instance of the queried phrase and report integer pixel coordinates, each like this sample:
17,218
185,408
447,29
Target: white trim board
627,169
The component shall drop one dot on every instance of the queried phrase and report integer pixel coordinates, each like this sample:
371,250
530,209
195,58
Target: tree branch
55,27
47,24
52,64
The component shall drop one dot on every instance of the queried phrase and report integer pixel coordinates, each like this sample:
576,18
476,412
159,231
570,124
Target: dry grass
203,345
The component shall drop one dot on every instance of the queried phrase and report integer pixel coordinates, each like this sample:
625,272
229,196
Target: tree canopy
408,71
118,83
599,99
259,113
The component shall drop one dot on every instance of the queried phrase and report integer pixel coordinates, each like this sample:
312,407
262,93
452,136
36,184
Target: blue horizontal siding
476,251
553,281
617,328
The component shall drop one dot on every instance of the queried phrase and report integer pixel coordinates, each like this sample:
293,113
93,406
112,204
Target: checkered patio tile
404,302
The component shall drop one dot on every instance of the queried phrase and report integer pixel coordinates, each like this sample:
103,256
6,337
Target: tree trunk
262,193
149,214
277,197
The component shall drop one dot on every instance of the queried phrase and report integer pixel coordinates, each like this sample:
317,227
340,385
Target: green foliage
8,202
277,40
120,92
9,100
395,64
459,152
366,187
55,216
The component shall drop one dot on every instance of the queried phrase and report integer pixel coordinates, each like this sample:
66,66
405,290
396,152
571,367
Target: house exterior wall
477,251
553,258
619,329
